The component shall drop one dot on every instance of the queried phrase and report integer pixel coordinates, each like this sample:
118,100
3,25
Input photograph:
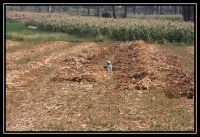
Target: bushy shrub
107,14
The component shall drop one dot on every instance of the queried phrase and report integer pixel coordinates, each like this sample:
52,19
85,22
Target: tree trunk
39,9
133,9
114,13
178,10
98,11
161,10
88,11
77,10
175,9
125,11
184,13
157,9
188,13
152,9
21,8
50,9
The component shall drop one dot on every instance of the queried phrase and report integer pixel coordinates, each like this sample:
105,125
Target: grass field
48,87
13,29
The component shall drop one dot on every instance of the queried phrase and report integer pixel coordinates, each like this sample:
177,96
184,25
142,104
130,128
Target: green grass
19,32
14,27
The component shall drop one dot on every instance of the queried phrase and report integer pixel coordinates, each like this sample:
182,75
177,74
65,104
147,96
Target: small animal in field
32,27
108,66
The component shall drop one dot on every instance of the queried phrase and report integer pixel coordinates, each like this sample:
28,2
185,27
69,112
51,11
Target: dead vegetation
190,49
70,89
143,66
83,64
136,66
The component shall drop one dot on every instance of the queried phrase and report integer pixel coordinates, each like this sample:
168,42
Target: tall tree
125,11
88,8
77,10
98,11
49,9
188,13
175,9
114,12
134,9
160,9
149,9
21,8
157,9
178,9
39,8
66,8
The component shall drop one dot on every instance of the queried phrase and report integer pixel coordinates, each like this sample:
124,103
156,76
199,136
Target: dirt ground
52,88
191,49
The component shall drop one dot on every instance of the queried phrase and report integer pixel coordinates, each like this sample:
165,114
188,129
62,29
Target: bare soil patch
190,50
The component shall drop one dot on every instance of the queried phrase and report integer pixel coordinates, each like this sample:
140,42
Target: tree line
186,11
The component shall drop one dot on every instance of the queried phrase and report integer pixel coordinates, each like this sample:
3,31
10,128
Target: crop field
158,17
55,81
149,30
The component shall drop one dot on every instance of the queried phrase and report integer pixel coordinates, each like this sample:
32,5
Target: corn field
149,30
157,17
